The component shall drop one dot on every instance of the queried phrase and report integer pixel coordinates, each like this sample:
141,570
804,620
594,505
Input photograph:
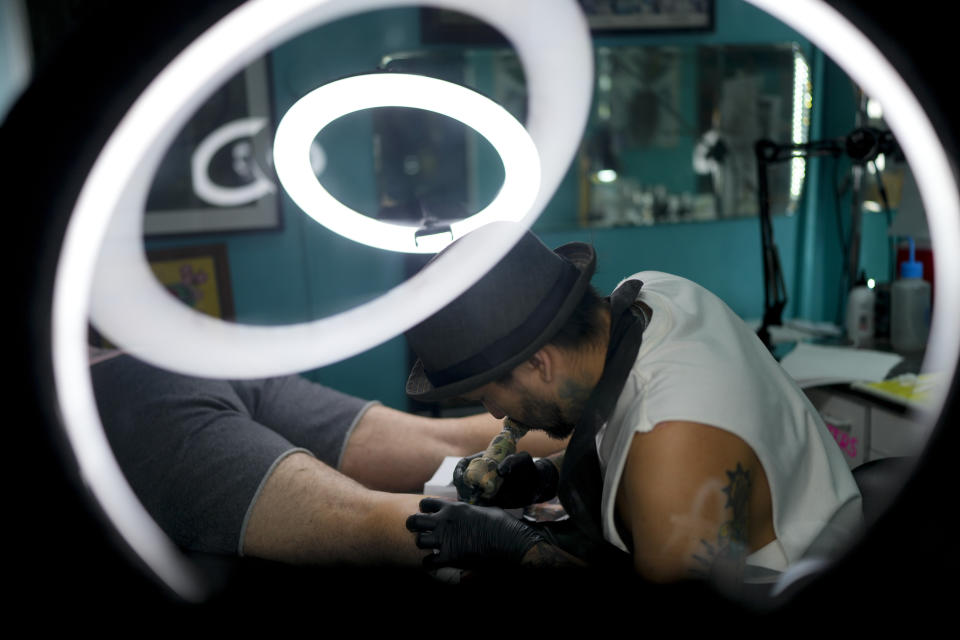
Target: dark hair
584,325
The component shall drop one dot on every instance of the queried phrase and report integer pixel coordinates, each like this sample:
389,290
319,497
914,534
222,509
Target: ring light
309,115
135,312
105,229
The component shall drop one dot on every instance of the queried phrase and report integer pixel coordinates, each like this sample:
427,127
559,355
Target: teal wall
303,271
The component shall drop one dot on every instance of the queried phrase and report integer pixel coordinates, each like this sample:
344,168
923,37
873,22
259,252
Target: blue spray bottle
909,307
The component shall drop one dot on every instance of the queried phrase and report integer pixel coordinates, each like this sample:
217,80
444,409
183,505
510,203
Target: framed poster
198,276
213,177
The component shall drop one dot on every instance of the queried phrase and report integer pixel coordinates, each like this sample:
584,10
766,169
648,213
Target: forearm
309,513
471,434
390,450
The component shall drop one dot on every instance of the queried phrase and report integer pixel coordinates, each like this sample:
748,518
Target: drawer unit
848,422
865,429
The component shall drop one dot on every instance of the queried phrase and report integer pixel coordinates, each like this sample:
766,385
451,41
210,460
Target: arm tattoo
723,559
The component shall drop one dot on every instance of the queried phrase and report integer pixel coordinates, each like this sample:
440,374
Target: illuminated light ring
158,329
309,115
218,195
102,261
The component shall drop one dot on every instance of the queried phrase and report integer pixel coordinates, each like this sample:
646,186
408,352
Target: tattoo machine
480,479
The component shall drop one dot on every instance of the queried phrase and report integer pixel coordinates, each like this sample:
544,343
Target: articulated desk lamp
862,145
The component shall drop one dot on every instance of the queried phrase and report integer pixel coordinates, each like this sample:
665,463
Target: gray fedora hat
499,322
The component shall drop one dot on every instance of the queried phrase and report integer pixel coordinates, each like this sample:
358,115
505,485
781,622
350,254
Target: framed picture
212,178
198,276
613,16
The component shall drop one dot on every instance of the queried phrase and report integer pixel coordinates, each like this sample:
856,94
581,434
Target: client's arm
395,451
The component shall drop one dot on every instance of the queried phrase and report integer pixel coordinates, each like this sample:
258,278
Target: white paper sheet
812,365
441,484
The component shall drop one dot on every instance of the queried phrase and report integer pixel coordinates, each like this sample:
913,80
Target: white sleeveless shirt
700,362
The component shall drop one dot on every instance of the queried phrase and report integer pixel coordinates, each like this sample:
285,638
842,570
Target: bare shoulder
692,495
696,443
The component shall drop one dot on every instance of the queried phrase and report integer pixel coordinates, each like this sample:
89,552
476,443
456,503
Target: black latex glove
468,536
464,492
524,481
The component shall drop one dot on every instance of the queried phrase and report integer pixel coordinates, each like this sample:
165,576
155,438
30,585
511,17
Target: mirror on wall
670,138
673,131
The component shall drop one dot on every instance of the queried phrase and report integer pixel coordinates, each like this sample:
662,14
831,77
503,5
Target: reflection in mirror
428,165
672,132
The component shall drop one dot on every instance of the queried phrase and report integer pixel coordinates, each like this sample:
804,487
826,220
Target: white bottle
910,307
860,314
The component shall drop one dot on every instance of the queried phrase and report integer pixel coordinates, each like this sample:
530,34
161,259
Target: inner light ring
322,106
150,324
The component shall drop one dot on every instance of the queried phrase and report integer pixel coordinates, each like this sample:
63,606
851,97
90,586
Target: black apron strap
581,481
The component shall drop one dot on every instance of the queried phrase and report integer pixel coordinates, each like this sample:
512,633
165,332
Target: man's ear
544,364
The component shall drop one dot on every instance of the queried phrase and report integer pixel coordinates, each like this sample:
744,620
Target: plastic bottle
909,307
860,314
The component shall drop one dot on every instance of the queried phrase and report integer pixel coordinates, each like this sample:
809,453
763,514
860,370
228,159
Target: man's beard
556,420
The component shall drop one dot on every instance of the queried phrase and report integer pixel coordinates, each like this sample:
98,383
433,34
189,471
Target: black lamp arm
862,145
774,288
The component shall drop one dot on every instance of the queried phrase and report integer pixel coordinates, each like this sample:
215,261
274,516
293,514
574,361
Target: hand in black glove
468,536
524,481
